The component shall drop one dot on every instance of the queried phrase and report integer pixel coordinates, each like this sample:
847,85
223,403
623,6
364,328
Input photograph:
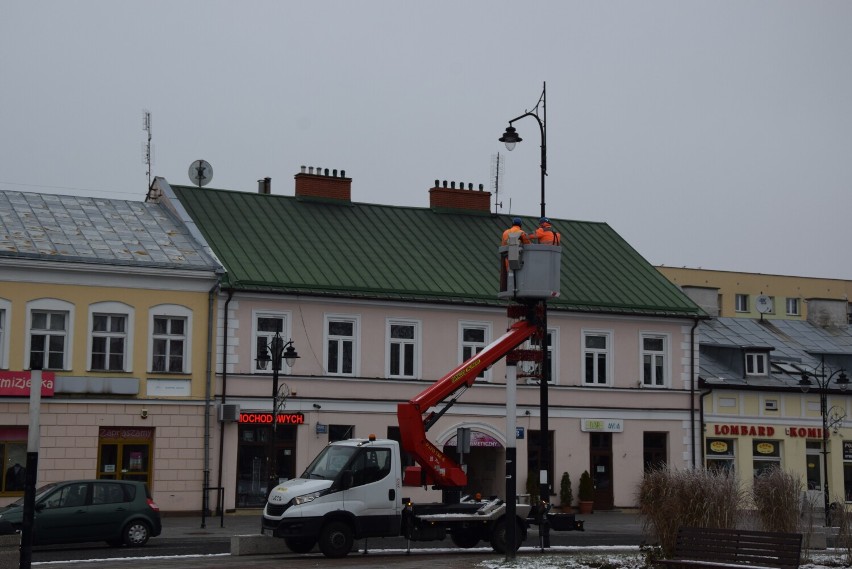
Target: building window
171,328
654,360
406,458
741,303
793,307
341,343
340,432
266,325
13,453
847,470
403,348
766,455
532,370
111,328
756,364
4,335
720,455
596,354
474,338
654,450
48,333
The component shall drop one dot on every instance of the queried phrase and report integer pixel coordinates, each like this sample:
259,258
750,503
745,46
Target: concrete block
257,544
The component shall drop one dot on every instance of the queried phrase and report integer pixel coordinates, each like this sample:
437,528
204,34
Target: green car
121,512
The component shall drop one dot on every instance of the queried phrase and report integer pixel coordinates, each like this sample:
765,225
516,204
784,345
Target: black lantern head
510,138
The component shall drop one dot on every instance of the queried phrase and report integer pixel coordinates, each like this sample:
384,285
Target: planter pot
586,506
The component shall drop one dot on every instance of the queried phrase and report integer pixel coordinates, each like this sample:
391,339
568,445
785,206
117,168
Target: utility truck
353,488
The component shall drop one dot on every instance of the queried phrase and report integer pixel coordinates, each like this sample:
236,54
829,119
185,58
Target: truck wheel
336,539
498,536
300,544
464,539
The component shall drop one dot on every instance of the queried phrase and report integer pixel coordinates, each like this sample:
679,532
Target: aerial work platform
530,271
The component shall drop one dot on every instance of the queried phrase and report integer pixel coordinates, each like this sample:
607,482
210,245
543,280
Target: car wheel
499,543
336,539
300,544
136,533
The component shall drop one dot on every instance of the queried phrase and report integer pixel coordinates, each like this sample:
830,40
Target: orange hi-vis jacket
515,229
546,235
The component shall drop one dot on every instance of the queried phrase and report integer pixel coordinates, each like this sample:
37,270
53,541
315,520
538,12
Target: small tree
566,494
587,489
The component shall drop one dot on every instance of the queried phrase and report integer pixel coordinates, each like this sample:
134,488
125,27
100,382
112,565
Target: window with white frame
793,307
741,303
474,337
341,345
110,336
403,349
4,335
654,360
531,370
266,325
756,363
49,340
171,339
596,357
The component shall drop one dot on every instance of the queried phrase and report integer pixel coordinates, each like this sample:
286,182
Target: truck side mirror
347,479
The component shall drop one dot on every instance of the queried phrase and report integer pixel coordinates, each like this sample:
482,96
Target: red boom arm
440,469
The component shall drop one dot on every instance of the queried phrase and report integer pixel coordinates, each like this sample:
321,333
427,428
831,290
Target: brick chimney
442,197
319,184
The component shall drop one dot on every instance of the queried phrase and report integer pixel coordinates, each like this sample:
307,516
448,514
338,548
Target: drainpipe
211,297
224,387
703,395
692,366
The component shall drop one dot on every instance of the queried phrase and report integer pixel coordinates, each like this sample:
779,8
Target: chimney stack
317,183
442,197
264,186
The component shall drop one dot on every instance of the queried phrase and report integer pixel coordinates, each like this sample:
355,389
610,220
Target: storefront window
847,470
766,455
253,464
720,455
13,453
124,453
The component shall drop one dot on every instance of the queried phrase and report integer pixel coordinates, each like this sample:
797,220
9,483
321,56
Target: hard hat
516,221
544,220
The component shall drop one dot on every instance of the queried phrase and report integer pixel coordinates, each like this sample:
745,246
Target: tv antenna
497,167
147,149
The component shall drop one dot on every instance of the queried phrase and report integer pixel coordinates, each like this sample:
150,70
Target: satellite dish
763,304
200,172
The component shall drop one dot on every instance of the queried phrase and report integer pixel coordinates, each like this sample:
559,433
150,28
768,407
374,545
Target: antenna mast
147,153
497,166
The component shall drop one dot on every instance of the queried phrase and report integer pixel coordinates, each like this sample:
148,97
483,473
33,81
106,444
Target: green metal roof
295,245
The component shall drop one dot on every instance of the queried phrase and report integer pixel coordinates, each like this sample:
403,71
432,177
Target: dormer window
756,363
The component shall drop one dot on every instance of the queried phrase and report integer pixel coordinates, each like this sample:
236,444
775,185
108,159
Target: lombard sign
602,425
17,383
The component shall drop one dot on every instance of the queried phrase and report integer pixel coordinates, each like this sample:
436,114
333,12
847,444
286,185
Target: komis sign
266,418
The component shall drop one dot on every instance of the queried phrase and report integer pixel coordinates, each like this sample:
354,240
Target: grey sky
708,134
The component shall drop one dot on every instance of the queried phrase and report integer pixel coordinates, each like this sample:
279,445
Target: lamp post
822,383
510,138
277,350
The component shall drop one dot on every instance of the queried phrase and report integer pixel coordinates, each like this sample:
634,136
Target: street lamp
511,138
277,350
822,383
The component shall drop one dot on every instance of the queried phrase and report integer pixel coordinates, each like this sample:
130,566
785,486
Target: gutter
211,297
224,386
694,377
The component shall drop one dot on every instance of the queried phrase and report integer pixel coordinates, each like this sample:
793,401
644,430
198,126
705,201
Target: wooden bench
703,547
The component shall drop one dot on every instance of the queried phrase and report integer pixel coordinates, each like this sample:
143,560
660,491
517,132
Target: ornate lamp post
510,138
277,350
822,383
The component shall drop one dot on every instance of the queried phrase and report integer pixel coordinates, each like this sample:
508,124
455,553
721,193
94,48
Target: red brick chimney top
318,183
442,197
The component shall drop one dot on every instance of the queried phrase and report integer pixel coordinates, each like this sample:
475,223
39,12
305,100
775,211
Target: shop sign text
266,418
744,430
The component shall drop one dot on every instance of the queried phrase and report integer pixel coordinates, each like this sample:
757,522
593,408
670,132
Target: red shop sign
266,418
17,383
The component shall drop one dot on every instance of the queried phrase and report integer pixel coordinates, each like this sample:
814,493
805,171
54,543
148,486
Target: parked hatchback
121,512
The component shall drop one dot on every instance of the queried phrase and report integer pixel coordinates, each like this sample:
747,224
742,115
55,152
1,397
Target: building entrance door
600,457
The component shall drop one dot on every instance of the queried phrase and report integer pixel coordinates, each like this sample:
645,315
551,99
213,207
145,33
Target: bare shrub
843,520
671,498
777,496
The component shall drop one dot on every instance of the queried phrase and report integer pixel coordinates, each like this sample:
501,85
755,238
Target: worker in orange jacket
516,228
545,234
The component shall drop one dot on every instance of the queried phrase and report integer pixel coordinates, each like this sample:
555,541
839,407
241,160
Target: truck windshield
329,463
